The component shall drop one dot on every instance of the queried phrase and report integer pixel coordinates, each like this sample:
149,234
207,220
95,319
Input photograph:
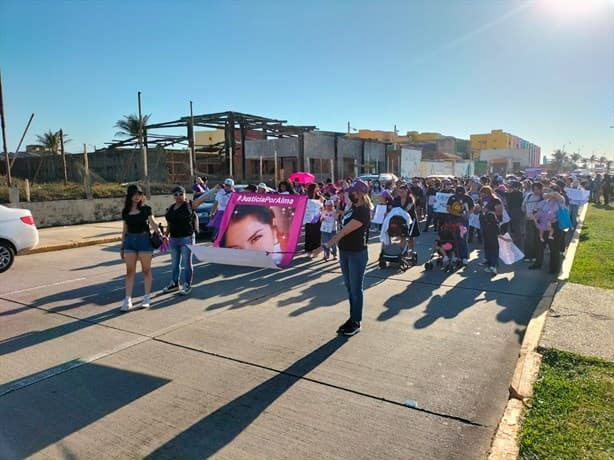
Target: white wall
410,162
511,155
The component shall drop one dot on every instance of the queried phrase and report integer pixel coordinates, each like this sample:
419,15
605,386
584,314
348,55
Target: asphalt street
249,365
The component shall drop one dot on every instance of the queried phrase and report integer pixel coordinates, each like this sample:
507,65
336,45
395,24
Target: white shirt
223,197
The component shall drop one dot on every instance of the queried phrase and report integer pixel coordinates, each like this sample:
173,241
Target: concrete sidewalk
580,321
74,236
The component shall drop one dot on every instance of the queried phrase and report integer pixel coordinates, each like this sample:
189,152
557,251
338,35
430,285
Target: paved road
249,366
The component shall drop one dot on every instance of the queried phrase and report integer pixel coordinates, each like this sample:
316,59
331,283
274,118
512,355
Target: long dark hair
262,214
288,185
130,192
312,190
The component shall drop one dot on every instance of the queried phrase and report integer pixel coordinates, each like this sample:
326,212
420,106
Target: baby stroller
444,250
396,228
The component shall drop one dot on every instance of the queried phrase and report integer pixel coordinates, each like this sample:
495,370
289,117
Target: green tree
575,159
593,159
51,141
559,160
129,125
602,160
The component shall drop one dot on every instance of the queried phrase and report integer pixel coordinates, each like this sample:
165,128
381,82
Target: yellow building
498,139
209,137
391,136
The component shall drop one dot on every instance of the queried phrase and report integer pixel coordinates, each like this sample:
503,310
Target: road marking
65,367
42,286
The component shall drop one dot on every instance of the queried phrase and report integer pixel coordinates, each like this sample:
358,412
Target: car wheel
7,256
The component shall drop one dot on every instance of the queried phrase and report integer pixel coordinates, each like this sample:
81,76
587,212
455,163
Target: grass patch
594,260
74,191
571,411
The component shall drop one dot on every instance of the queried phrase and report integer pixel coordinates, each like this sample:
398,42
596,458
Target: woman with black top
352,242
136,243
181,228
312,230
407,202
491,210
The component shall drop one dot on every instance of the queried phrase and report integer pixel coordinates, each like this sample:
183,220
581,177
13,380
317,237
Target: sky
539,69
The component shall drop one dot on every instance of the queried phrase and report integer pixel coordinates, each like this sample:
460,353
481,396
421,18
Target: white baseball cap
229,181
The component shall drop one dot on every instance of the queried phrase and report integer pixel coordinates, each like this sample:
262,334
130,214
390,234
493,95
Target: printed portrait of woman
259,228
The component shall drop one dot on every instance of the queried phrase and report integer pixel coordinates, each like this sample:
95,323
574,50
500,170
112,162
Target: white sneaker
493,270
127,305
186,289
146,303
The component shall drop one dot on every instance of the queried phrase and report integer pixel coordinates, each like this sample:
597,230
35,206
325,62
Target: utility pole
191,142
143,152
63,157
4,147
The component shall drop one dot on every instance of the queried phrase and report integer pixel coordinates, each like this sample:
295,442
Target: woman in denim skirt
136,243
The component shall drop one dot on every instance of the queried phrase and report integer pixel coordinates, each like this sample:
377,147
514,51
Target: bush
74,191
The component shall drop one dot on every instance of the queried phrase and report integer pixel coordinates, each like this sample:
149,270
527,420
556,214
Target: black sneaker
344,326
170,288
352,329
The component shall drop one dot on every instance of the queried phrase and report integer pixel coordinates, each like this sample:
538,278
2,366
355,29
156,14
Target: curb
505,441
72,245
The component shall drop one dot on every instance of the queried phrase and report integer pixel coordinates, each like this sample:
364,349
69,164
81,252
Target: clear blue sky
543,69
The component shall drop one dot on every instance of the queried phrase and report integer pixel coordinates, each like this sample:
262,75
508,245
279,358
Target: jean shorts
139,243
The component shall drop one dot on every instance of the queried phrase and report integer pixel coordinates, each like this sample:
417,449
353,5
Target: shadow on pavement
218,429
36,417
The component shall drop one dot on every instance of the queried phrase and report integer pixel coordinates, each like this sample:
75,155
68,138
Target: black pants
531,240
555,246
473,230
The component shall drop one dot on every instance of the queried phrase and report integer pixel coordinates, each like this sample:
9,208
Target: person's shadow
208,436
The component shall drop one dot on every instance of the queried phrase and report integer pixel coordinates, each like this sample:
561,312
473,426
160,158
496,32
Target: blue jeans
181,258
353,266
325,238
573,211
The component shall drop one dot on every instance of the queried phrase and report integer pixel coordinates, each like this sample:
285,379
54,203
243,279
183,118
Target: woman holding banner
353,256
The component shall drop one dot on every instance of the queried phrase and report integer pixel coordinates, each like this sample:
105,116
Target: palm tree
602,160
585,163
51,141
129,125
575,158
559,160
592,160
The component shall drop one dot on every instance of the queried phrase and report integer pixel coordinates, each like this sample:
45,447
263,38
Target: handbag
508,251
156,240
564,219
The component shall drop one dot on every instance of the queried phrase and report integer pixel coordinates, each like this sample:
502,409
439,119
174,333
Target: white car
18,233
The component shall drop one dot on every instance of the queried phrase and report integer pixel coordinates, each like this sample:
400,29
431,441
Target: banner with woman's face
259,230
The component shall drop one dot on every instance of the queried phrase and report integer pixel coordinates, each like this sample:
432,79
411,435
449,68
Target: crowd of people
339,217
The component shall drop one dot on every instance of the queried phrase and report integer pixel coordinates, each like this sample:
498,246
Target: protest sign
577,196
266,227
380,213
441,202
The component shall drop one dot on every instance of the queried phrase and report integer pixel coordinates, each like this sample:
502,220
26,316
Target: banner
577,196
257,230
441,202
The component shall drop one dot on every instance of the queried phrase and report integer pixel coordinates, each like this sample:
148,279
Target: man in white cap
220,202
262,188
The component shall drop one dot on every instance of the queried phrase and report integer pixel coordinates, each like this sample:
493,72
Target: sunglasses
178,194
